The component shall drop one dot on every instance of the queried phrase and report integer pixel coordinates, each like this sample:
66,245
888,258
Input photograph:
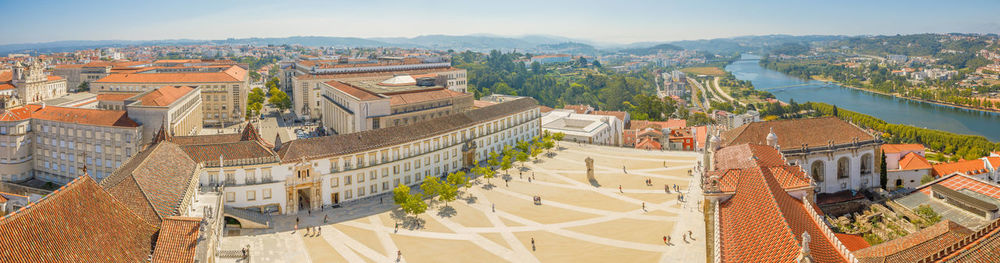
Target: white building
586,128
732,120
905,165
838,155
324,171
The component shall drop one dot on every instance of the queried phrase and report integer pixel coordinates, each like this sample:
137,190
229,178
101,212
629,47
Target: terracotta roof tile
80,222
156,179
232,74
15,114
84,116
958,182
165,95
617,114
356,92
915,246
794,133
333,76
968,167
895,148
852,242
177,240
913,161
396,99
115,96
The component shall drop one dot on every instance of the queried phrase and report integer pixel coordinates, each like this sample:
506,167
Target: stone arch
867,163
843,167
817,170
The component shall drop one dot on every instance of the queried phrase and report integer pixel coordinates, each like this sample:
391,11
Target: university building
224,88
362,104
30,84
838,155
306,78
54,143
322,171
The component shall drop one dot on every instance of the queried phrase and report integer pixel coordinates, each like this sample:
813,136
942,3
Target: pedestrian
506,183
529,179
532,243
623,169
620,189
324,218
668,239
685,237
643,206
666,189
399,255
296,220
310,211
664,239
494,208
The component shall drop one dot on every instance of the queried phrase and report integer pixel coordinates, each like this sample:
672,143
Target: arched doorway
843,168
817,170
899,183
304,201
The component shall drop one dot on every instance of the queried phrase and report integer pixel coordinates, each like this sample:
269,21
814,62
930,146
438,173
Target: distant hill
652,50
743,44
568,48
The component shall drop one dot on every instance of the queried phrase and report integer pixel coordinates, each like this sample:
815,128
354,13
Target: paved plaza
578,220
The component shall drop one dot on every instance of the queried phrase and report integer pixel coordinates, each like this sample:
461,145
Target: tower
772,139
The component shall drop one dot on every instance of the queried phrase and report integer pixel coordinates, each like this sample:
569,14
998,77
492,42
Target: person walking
532,244
643,206
620,189
664,240
494,208
324,218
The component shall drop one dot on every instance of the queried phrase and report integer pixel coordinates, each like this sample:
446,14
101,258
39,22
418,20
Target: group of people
538,200
685,236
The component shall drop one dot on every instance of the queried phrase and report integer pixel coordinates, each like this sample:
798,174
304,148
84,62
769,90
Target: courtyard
578,220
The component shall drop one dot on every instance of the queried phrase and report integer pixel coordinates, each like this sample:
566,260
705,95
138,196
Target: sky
612,22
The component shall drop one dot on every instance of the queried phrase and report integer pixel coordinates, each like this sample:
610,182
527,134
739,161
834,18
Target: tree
431,186
280,100
536,149
493,160
522,157
254,76
883,174
415,205
447,193
506,164
400,194
458,179
523,146
558,136
548,144
84,86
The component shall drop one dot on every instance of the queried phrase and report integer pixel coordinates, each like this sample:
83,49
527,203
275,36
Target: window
361,191
866,164
843,168
251,195
230,177
347,194
817,170
385,185
265,174
267,193
361,177
334,182
251,177
374,189
230,197
385,171
347,180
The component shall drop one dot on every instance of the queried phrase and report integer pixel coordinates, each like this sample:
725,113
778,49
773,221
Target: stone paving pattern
577,222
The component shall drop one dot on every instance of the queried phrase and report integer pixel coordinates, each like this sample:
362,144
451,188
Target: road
697,87
718,90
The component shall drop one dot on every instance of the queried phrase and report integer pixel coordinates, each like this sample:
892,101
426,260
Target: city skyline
635,21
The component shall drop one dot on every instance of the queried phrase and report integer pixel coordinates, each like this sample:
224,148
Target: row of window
251,195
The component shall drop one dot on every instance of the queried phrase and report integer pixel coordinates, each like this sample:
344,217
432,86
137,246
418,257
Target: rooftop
232,74
154,182
896,148
80,222
164,96
812,132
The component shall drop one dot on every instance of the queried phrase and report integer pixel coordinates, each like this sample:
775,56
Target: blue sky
622,21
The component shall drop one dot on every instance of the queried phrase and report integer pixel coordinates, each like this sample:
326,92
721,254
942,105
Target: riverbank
896,95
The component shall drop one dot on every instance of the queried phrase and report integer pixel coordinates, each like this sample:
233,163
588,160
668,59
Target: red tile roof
579,109
895,148
177,240
852,242
15,114
733,162
356,92
773,233
913,161
915,246
232,74
482,103
333,76
115,96
796,132
80,222
396,99
958,182
968,167
165,95
648,144
671,123
113,118
155,182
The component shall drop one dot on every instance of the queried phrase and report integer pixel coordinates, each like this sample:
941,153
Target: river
888,108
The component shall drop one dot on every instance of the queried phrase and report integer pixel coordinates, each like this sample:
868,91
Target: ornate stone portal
303,186
469,153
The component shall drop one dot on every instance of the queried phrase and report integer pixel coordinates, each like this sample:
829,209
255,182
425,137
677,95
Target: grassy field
710,71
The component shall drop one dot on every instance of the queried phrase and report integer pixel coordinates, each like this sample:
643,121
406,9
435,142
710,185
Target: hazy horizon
622,22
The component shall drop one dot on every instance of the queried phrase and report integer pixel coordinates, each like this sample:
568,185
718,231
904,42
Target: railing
827,232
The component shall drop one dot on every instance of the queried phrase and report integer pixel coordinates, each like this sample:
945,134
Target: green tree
84,86
506,164
883,174
558,137
280,100
522,157
536,149
254,76
448,193
415,205
458,179
400,194
431,186
493,159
